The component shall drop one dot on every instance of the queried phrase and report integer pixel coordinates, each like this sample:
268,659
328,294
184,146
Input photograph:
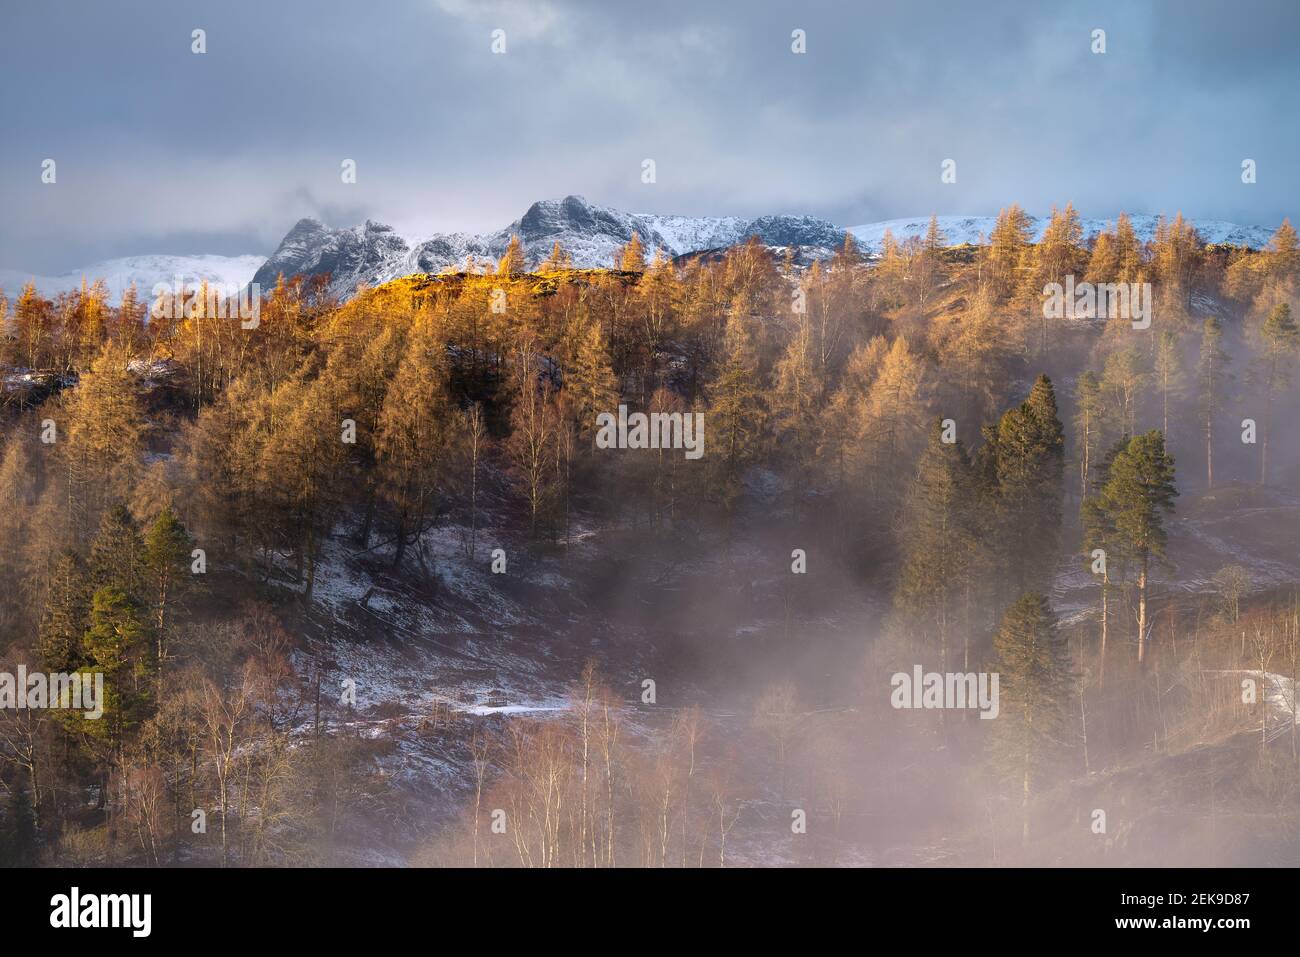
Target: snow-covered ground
448,632
1232,525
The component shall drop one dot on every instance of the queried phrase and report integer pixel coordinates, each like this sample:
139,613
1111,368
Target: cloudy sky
162,150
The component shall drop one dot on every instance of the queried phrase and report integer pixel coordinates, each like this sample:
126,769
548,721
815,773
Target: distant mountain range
976,229
373,253
142,271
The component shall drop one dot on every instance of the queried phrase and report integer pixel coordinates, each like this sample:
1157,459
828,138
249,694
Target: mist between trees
970,485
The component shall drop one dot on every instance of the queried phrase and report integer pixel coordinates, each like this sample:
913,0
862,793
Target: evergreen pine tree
117,553
1139,491
117,644
167,548
63,620
1034,690
19,842
939,545
1030,467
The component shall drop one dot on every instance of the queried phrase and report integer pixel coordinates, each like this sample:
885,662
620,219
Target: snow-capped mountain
976,229
373,253
228,272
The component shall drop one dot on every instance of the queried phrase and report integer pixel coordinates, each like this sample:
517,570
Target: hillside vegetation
908,459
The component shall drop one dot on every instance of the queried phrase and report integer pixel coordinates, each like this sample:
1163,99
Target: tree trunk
1263,440
1209,453
1105,627
1083,723
1142,612
400,550
368,517
1024,806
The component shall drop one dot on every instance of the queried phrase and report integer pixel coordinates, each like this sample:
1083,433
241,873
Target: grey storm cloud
161,150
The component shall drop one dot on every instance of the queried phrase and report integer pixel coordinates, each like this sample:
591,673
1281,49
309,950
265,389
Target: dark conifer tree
1030,466
1034,691
117,553
167,559
63,621
939,543
18,835
1138,493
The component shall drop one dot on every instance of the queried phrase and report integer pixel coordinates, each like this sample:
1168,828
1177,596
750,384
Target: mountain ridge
590,233
593,235
975,230
373,253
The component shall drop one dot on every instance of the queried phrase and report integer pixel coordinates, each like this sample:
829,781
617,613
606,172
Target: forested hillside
363,585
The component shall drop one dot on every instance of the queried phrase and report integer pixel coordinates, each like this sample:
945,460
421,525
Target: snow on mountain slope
591,234
373,253
145,272
683,234
976,230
